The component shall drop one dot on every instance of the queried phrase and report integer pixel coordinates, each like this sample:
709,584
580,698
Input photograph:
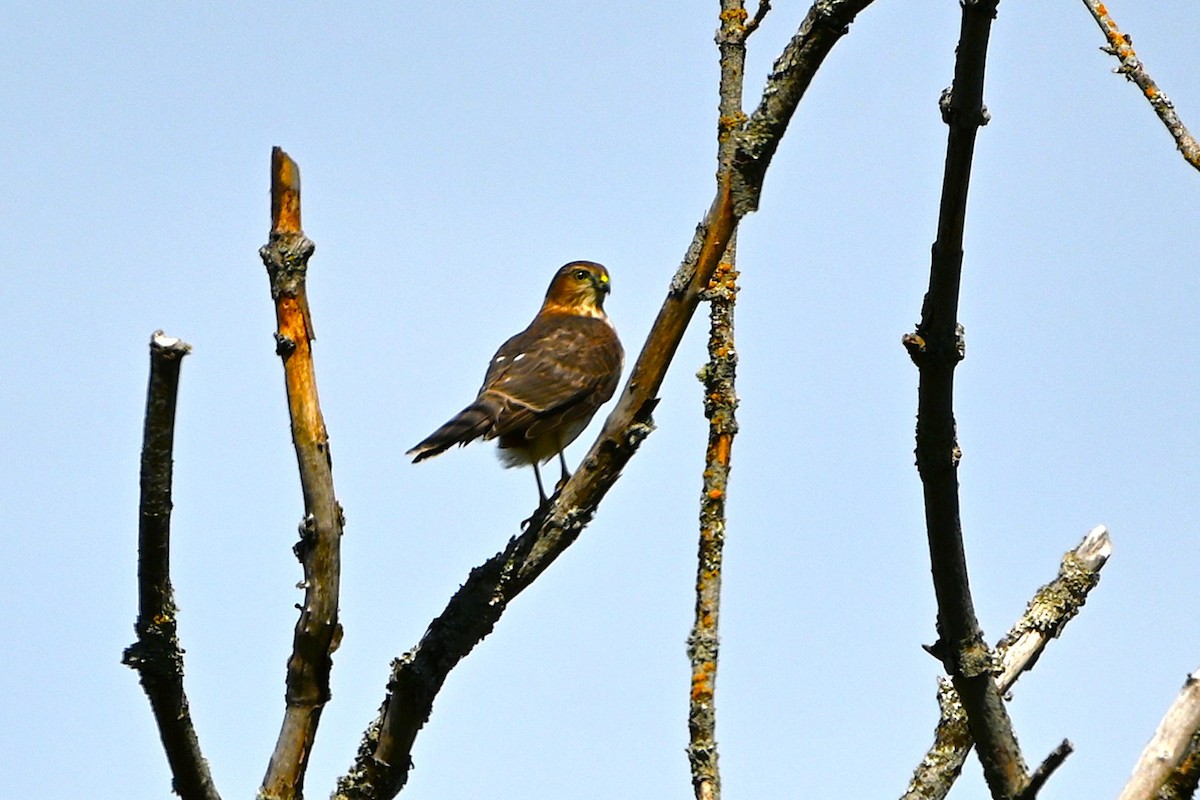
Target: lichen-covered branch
1181,784
156,655
1120,45
936,348
720,402
382,765
1171,746
1047,614
317,631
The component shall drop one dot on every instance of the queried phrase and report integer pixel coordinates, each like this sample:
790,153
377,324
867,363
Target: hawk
545,384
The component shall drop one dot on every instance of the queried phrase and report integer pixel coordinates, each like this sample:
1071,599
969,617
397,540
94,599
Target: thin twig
720,402
384,756
936,347
1047,614
1044,770
1120,45
1170,745
156,655
317,631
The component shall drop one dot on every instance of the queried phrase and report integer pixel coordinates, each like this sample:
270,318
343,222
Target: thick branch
382,766
1171,745
317,631
936,348
156,655
1052,607
1121,46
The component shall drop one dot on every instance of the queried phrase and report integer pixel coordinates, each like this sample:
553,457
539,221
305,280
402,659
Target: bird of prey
545,384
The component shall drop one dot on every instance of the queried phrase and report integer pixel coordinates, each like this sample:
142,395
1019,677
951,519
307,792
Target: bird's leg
566,474
542,501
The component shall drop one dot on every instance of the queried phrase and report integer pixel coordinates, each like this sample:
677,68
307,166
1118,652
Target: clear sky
453,156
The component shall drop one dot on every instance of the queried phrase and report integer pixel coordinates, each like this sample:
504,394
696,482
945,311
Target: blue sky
453,157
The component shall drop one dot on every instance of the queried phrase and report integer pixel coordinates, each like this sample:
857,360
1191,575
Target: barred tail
466,426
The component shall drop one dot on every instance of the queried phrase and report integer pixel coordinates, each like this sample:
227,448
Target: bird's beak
603,287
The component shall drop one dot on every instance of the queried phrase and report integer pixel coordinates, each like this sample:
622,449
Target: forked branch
383,762
1052,607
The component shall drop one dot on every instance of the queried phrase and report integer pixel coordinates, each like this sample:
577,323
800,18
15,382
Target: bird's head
578,288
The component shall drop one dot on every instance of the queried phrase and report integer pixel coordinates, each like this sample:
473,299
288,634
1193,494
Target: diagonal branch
156,654
1052,607
317,631
720,402
936,348
384,757
1121,46
1171,745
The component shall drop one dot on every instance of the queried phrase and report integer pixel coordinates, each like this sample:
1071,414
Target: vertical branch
720,401
156,654
936,348
317,631
1120,45
1171,745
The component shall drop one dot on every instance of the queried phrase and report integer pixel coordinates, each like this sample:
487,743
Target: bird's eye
581,275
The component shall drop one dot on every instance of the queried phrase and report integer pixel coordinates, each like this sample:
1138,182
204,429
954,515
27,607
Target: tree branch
384,756
1052,607
156,655
720,401
936,348
1172,743
317,631
1121,46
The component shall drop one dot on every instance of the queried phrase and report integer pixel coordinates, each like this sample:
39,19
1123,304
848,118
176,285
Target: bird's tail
466,426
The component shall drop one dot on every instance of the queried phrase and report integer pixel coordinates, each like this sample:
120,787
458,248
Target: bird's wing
559,369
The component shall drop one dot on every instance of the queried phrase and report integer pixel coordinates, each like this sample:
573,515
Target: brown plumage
545,384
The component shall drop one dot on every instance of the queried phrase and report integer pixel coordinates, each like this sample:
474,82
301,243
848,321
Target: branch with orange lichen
383,763
156,655
720,403
317,631
1120,45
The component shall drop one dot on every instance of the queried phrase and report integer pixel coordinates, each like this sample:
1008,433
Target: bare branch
1042,774
936,348
1171,745
1044,619
384,756
1120,45
317,631
156,655
720,401
1183,781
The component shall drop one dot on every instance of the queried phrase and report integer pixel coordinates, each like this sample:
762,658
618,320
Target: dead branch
1170,746
384,756
317,631
936,348
1047,614
1120,45
156,655
720,402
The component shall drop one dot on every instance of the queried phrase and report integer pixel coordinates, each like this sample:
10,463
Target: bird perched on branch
545,384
